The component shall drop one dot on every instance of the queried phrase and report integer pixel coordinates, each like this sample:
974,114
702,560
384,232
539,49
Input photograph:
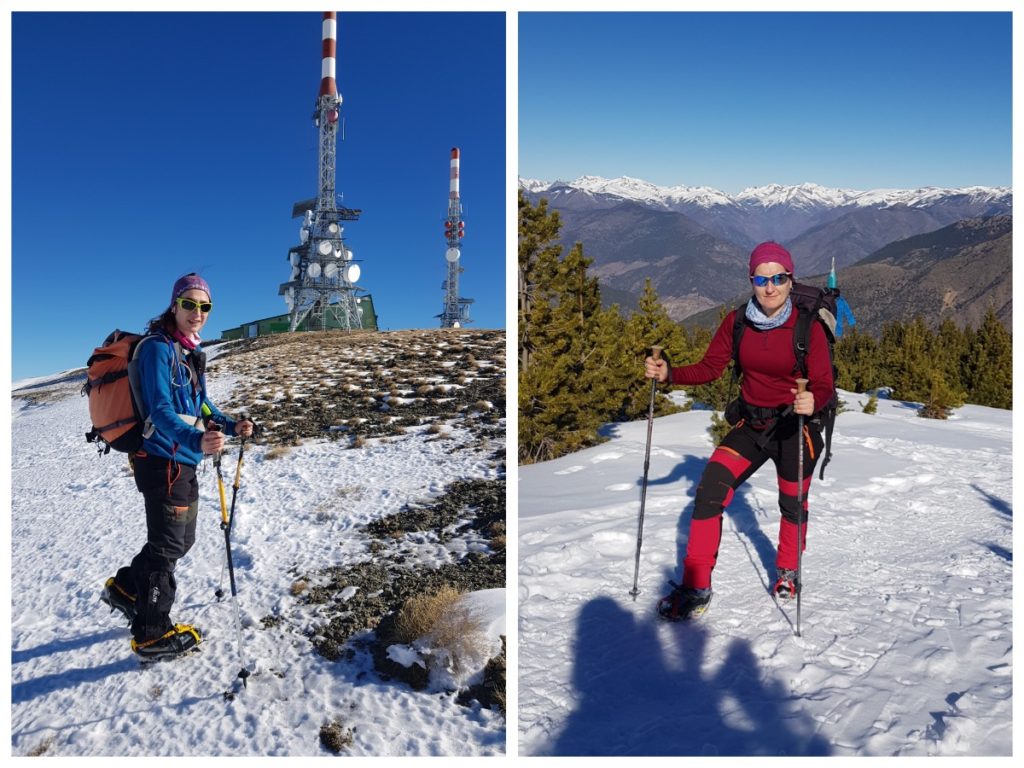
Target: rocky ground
354,387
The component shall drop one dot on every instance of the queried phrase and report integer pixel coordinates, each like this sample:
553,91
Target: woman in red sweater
766,428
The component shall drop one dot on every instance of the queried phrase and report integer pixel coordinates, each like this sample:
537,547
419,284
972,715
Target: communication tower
456,309
322,290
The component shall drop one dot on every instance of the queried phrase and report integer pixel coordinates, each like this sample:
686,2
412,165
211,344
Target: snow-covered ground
906,617
76,687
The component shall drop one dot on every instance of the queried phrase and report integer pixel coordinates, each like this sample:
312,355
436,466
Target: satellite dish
332,228
331,270
325,247
294,259
303,235
348,254
352,272
456,324
452,255
314,270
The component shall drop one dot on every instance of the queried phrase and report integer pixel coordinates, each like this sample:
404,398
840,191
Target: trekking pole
243,672
225,525
801,386
656,354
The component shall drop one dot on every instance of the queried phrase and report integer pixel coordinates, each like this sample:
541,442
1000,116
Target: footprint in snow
620,487
568,470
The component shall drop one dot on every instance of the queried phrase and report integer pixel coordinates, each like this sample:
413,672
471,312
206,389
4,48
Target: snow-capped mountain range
693,241
806,196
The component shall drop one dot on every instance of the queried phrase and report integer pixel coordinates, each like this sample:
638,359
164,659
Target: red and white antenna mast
456,309
321,293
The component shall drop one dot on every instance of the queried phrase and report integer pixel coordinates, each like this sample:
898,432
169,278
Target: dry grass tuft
335,736
420,612
42,748
446,621
298,587
276,452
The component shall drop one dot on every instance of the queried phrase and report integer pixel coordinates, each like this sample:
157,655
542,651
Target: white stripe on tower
453,186
328,86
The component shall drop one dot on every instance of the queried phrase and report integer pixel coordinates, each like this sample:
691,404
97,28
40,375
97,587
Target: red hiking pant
733,462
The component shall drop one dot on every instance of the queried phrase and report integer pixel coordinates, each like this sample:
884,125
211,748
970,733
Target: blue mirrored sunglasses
761,281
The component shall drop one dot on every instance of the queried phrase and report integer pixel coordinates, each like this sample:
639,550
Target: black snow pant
171,494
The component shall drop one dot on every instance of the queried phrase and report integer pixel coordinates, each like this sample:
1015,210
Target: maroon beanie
187,283
770,251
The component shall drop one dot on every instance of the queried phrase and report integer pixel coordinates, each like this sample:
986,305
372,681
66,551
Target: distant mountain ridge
693,242
806,195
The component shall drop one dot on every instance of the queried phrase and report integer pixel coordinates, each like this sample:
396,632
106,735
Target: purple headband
187,283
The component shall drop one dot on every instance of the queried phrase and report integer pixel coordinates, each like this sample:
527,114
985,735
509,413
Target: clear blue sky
147,145
731,100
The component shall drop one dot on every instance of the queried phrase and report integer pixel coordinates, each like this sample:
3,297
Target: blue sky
732,100
149,145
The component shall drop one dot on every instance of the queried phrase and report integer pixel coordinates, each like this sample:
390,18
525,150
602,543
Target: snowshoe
181,640
786,585
118,600
684,603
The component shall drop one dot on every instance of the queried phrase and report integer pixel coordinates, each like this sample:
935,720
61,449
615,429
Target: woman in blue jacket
172,387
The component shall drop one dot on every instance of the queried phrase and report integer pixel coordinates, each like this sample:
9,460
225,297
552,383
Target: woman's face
772,297
189,322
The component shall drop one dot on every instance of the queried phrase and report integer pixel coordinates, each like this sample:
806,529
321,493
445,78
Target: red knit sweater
767,361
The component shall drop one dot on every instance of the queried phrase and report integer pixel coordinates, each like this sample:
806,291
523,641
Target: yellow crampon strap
179,629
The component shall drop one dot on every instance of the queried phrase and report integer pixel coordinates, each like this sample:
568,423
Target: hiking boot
118,600
684,603
786,585
177,641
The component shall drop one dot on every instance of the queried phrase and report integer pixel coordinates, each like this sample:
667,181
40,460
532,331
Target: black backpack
811,304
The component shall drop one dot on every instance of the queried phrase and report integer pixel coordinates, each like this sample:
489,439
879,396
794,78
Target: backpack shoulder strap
136,386
801,339
738,326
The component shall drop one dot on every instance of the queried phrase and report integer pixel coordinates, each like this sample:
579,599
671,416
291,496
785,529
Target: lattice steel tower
322,290
456,309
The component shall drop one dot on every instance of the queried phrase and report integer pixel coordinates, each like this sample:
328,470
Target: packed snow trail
76,686
907,613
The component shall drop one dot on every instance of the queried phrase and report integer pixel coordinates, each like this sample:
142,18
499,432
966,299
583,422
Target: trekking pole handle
801,385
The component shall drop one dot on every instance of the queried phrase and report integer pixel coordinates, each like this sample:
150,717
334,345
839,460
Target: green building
281,323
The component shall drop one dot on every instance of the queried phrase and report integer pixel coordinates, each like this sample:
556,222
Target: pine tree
942,398
611,370
990,364
564,391
650,325
858,360
538,259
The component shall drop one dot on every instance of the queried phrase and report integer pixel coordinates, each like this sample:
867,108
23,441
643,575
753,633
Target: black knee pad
715,484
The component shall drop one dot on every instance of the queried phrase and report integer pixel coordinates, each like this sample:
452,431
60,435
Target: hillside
381,475
957,272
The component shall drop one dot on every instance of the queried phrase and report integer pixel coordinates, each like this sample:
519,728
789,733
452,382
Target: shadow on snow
634,700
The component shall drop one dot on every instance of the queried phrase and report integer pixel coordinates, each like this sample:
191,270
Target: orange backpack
118,420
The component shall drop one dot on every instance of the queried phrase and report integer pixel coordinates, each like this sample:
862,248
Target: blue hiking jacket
168,387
